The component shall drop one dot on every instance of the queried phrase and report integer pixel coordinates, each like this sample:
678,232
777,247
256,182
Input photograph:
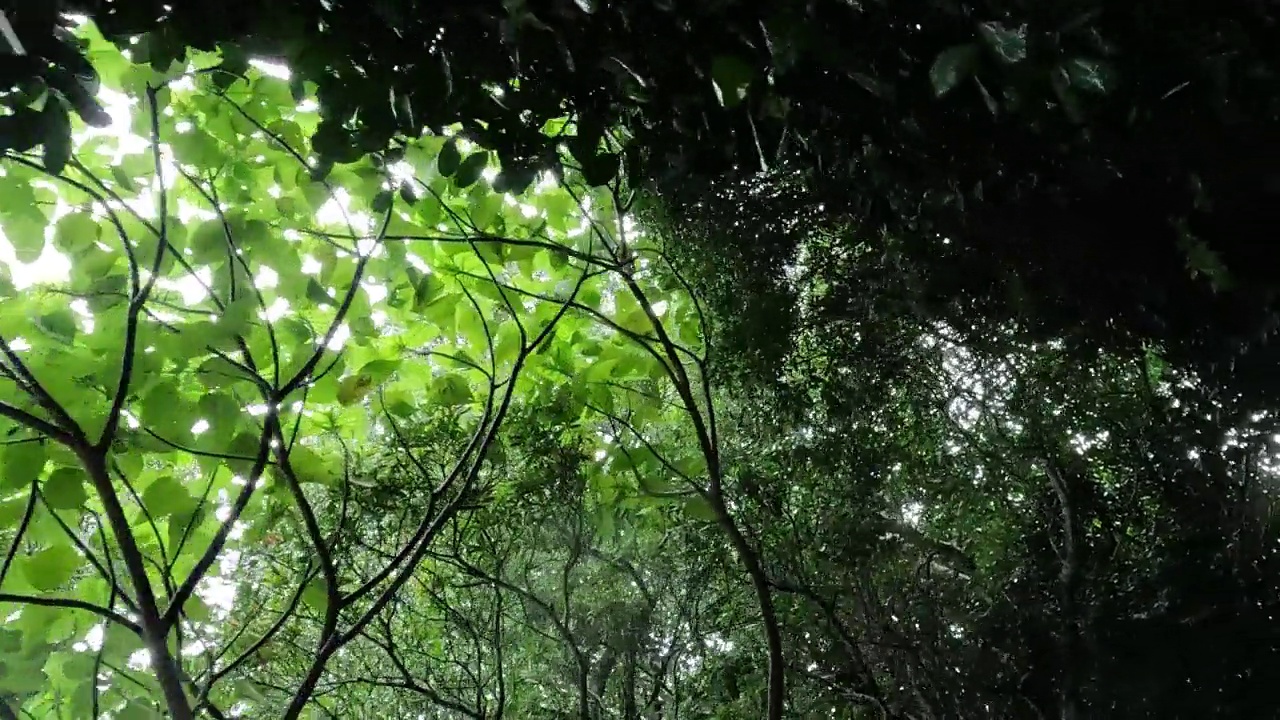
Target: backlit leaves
51,568
203,392
65,488
21,464
166,496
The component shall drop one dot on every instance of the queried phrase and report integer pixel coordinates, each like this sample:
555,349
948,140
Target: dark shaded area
1093,540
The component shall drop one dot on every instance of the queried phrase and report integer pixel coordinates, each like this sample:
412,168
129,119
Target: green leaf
12,511
208,242
606,526
310,467
64,490
318,295
485,209
507,347
380,370
123,180
448,159
164,412
222,413
196,610
238,316
217,372
184,524
25,231
166,496
19,678
470,169
315,595
601,370
21,464
75,232
424,292
59,324
731,76
452,389
952,66
631,315
398,403
354,388
248,690
699,508
51,568
119,642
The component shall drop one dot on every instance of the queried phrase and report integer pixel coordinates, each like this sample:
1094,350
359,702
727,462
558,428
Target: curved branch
74,604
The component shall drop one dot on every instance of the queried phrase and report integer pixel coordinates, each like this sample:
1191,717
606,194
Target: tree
1019,133
395,436
215,365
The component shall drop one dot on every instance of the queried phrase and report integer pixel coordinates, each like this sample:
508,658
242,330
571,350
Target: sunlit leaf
21,464
65,488
166,496
51,568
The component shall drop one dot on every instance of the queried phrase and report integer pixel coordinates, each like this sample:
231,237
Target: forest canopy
513,377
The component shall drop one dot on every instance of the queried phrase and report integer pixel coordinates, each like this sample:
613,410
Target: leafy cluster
247,365
1100,172
369,385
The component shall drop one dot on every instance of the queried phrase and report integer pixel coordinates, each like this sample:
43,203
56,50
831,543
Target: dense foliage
1104,172
370,387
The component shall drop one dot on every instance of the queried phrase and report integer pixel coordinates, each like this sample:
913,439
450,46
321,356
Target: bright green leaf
135,710
452,389
218,372
354,388
75,232
208,242
59,324
51,568
310,467
64,490
21,464
166,496
315,595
